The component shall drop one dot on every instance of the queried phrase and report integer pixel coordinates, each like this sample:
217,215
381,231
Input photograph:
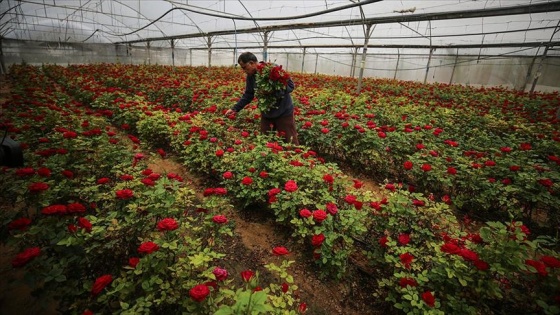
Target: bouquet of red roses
271,83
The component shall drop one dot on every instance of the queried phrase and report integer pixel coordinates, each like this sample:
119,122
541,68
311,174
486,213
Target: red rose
126,177
505,149
404,239
551,262
468,254
167,224
429,298
319,216
280,251
36,188
44,172
148,248
220,191
451,170
285,287
263,174
227,175
514,168
199,292
124,194
221,274
75,208
426,167
390,187
481,265
538,265
84,224
383,241
72,228
26,256
351,199
23,172
546,182
274,192
408,165
219,153
148,182
19,224
450,248
247,181
302,308
133,261
54,209
219,219
100,284
247,275
490,163
525,146
332,209
103,180
290,186
406,259
404,282
418,203
328,178
317,240
305,213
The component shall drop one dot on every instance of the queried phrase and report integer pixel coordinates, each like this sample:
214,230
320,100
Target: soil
256,233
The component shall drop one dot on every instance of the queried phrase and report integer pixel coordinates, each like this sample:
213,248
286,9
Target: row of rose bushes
426,263
481,163
99,232
490,152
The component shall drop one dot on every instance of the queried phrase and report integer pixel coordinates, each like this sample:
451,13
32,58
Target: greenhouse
280,157
508,43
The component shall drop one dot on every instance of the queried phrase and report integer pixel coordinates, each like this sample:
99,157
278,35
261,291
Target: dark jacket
284,103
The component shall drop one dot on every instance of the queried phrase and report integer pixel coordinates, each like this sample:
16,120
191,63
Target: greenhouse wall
508,71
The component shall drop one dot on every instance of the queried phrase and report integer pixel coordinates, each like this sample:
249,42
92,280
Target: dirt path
256,233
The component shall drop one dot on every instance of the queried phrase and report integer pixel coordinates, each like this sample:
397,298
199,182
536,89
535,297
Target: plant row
98,231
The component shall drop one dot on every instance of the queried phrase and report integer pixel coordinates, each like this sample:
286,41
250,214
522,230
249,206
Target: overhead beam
491,12
493,45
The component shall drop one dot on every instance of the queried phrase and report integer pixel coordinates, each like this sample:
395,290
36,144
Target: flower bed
426,263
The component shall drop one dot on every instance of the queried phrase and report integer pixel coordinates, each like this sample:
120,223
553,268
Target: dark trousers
285,126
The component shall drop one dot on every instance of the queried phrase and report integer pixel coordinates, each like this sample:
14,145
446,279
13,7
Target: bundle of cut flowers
271,83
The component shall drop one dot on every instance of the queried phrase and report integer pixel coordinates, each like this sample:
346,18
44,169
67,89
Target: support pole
530,70
209,43
2,64
397,66
149,53
454,66
428,65
265,46
303,59
431,51
364,53
173,52
538,72
316,61
353,68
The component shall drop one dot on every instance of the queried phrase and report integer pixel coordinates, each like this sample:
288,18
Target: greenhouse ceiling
285,24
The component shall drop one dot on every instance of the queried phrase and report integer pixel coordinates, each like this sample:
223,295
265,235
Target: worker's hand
230,113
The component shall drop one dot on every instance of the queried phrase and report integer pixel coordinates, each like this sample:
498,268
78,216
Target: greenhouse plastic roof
286,24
